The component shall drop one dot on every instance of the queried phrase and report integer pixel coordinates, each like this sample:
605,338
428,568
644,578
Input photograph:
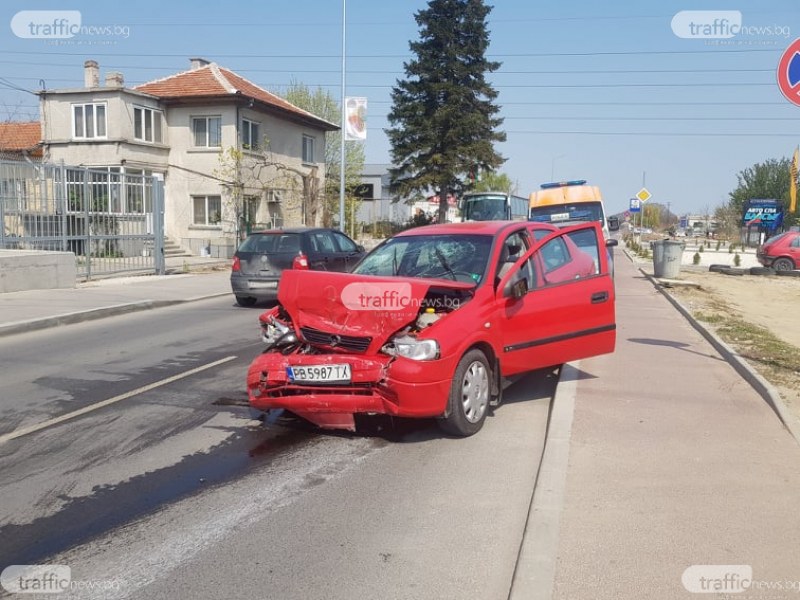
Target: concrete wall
31,270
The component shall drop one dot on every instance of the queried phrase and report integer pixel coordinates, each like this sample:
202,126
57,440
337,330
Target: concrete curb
94,314
535,571
763,387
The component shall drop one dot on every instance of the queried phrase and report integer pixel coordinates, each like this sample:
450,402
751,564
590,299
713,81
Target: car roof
467,228
289,230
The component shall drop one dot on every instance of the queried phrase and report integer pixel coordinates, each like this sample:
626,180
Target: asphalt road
170,489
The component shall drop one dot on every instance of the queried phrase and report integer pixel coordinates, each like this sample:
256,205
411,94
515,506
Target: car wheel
761,271
469,395
245,301
783,264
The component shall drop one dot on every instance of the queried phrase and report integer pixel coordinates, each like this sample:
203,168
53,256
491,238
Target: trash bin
667,255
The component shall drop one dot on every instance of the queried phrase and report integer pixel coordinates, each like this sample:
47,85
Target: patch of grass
776,360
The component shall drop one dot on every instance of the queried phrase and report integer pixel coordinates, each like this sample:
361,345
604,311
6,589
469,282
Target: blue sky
606,93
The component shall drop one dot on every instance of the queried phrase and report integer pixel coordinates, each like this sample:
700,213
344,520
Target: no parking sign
789,73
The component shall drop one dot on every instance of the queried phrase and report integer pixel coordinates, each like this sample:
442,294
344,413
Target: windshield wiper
443,261
394,262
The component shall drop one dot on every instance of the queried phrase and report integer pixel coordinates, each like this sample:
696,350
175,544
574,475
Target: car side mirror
611,242
517,286
613,223
361,248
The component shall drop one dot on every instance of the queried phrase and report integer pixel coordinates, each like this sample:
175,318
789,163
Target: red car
429,322
781,252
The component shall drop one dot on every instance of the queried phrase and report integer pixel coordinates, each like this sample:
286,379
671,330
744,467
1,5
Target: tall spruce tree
443,120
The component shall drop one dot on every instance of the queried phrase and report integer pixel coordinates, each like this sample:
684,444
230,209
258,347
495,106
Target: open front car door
557,303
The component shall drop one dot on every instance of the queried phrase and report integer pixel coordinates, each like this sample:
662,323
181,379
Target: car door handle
599,297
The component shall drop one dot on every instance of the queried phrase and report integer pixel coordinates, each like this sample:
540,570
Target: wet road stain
109,507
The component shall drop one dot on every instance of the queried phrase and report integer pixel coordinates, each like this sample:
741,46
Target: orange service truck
571,202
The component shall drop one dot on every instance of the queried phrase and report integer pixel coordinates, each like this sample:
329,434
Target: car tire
245,301
788,273
761,271
717,268
470,393
783,264
732,271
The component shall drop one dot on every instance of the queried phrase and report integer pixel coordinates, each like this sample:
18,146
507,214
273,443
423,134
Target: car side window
345,243
586,241
554,254
323,242
796,242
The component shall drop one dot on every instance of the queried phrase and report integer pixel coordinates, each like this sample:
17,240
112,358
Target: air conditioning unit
275,196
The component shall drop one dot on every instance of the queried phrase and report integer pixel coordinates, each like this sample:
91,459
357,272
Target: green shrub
737,260
731,247
696,258
718,245
701,248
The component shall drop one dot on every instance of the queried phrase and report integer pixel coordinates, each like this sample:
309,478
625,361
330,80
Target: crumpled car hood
356,305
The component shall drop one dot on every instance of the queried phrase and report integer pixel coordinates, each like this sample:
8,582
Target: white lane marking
87,409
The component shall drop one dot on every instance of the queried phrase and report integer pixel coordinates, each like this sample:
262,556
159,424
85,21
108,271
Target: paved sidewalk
38,309
673,461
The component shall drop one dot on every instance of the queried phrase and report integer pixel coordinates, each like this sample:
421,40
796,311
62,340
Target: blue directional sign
636,205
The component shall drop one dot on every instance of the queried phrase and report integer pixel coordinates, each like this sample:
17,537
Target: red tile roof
16,137
213,81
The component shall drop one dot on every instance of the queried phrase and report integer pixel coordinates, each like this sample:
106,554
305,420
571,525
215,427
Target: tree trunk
443,204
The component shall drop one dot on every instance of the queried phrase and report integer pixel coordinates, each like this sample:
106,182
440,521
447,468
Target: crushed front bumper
378,384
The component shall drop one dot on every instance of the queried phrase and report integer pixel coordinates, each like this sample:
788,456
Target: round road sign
789,73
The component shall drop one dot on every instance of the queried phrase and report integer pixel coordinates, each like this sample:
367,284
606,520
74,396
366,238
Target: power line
656,133
714,52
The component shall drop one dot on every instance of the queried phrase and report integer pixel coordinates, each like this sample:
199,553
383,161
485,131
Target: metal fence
112,220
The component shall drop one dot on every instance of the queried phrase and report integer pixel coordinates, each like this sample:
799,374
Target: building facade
233,156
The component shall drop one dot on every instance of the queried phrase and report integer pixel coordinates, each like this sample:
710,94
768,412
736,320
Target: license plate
319,373
263,285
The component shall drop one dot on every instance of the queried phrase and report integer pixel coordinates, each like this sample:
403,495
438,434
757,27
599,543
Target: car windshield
272,243
561,214
455,257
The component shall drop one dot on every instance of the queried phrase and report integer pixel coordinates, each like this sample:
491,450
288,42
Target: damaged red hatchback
429,323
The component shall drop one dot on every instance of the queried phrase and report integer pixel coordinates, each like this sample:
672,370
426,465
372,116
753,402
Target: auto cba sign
766,214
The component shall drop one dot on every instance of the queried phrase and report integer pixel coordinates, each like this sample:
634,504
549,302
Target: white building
232,154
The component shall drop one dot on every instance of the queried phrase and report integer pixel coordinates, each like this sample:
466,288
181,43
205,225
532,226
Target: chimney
198,63
91,74
114,79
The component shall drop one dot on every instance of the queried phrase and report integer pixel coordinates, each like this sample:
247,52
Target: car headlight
410,347
273,330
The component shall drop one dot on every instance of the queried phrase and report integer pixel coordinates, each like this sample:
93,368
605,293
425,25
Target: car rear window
272,243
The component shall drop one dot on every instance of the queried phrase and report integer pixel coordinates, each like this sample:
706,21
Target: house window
147,125
250,135
89,121
207,131
207,210
308,149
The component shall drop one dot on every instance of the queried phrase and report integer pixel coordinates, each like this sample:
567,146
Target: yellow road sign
644,195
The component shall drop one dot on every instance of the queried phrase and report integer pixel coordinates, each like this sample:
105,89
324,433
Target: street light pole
553,166
344,120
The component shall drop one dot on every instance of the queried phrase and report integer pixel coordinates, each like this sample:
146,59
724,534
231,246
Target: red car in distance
781,252
430,321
